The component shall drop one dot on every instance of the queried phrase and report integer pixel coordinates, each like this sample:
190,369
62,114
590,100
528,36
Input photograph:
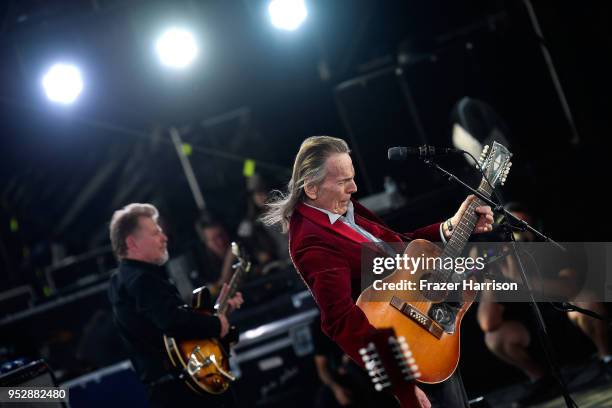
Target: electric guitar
432,321
390,364
204,363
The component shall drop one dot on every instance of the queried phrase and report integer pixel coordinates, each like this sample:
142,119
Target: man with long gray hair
146,306
326,229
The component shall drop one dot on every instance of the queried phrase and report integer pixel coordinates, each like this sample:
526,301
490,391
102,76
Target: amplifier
34,374
113,386
275,363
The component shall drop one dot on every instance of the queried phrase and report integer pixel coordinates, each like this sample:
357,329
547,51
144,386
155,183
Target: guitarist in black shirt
146,306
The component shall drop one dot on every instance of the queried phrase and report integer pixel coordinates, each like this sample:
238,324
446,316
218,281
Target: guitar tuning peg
412,376
380,378
380,387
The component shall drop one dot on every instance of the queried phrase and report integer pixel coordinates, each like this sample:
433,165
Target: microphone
402,152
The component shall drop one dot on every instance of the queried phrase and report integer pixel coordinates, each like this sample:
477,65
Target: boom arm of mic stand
498,208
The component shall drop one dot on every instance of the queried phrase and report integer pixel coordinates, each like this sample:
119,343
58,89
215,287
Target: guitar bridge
422,320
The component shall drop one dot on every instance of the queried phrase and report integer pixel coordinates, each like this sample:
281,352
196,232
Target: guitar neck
461,233
233,284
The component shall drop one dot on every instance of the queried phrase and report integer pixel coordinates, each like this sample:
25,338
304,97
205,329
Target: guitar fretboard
233,286
461,233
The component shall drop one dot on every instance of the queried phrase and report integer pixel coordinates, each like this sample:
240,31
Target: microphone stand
542,331
498,208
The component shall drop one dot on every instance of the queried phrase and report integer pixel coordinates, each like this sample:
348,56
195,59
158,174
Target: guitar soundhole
440,315
444,314
433,295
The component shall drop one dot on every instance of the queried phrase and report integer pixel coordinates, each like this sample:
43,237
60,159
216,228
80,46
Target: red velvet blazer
328,257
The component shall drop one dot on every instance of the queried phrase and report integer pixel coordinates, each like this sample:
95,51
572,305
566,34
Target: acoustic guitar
431,320
204,363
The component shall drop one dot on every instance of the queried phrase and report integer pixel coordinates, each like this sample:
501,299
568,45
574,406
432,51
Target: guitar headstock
241,256
241,268
495,163
389,361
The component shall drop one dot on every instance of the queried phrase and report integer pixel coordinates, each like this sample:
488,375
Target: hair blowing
308,168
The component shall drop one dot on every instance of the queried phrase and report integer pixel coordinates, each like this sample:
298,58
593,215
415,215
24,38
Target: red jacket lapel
322,219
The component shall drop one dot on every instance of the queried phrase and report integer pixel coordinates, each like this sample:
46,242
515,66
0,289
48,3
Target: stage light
63,83
177,48
287,14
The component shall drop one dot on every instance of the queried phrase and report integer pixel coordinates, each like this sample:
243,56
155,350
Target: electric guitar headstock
241,268
390,364
242,257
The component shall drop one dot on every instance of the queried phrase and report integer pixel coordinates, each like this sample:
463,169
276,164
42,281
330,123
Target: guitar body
435,346
207,378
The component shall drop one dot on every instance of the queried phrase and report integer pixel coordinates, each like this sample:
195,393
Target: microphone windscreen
397,153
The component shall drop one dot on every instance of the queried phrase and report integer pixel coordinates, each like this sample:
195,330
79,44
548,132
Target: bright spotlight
63,83
176,48
287,14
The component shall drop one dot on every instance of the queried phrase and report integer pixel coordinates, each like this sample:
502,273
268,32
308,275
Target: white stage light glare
63,83
287,14
177,48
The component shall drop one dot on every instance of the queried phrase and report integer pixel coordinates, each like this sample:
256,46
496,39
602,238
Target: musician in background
266,243
326,229
146,306
217,257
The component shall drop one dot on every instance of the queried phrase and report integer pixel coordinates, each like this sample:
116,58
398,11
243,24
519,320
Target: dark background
257,92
